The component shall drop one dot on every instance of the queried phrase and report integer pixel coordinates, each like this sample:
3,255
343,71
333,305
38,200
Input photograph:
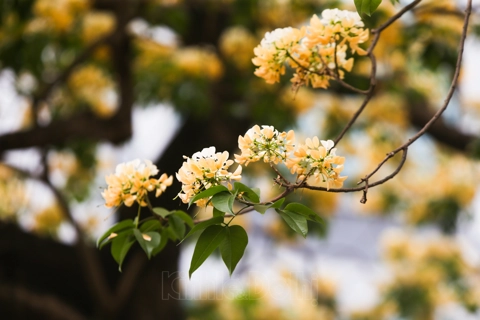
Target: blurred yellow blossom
236,44
198,62
47,221
92,85
57,15
13,191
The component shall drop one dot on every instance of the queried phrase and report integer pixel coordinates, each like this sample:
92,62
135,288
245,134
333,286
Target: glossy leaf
150,225
203,225
304,211
177,225
233,246
367,6
295,221
149,244
248,194
163,242
208,193
208,241
223,201
185,217
117,228
120,247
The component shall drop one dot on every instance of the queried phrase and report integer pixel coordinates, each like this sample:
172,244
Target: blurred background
87,84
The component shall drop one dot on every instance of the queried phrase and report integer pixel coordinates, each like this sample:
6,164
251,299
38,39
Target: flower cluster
317,159
131,183
266,143
317,52
204,170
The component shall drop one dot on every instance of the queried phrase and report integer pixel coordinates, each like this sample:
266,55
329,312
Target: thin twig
366,100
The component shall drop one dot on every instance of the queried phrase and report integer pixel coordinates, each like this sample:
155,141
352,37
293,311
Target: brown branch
420,113
368,97
42,305
453,85
83,126
395,17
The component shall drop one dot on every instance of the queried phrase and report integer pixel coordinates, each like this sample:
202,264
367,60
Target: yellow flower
316,158
265,144
236,45
317,52
131,183
273,51
204,170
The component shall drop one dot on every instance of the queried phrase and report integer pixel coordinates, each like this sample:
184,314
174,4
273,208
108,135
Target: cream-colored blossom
267,144
273,52
317,159
131,183
204,170
318,52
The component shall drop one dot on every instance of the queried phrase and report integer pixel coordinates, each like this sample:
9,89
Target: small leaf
147,245
277,204
185,217
120,247
203,225
223,201
304,211
295,221
177,225
367,6
162,212
116,228
208,241
261,208
208,193
248,194
233,246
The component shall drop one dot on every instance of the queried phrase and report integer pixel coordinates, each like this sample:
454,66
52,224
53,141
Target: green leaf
295,221
223,201
150,225
304,211
185,217
277,204
233,246
120,247
367,6
218,213
208,193
263,208
203,225
162,212
177,225
116,228
248,194
147,245
208,241
163,242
